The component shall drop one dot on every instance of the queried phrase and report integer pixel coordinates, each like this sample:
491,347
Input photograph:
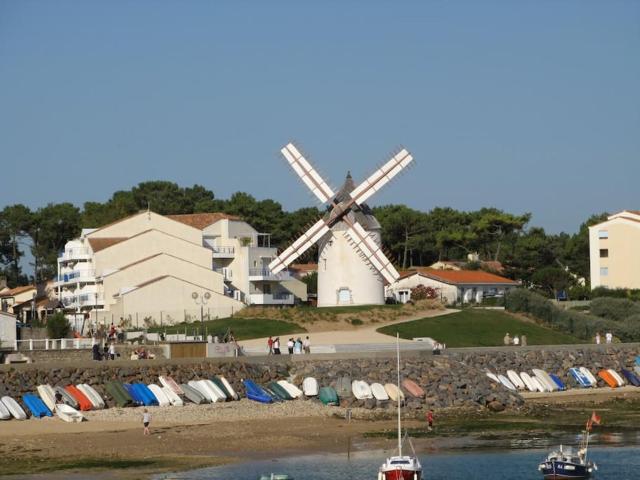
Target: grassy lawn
243,328
477,328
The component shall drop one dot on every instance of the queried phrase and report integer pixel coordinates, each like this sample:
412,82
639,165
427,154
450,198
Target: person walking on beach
290,346
430,419
276,346
270,345
307,345
146,420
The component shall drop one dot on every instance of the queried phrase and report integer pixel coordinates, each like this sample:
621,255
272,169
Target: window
603,234
604,271
604,253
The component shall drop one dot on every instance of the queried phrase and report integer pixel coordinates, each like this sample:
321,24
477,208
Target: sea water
619,463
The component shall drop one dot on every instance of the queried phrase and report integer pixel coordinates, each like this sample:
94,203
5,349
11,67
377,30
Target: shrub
616,293
614,308
423,293
58,326
577,323
629,331
356,322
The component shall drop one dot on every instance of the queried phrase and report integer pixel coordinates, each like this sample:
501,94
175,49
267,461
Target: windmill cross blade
372,252
297,248
307,173
382,176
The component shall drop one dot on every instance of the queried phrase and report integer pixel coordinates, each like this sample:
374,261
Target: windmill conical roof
362,213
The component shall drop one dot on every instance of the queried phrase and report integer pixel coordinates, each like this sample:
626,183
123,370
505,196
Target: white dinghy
68,414
310,387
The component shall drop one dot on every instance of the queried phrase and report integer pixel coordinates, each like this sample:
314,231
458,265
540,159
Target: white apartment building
152,266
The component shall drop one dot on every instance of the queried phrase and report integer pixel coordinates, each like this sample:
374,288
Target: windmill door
344,296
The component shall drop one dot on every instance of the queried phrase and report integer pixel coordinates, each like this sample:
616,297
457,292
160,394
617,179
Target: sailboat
567,464
400,467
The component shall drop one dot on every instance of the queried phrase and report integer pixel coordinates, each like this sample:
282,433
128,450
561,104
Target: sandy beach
203,435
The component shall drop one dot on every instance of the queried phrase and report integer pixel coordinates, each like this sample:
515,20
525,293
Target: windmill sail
298,247
382,176
369,249
307,173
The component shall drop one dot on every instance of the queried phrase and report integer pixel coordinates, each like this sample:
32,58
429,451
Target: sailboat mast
399,394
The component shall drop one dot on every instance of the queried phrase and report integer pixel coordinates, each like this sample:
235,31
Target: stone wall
455,379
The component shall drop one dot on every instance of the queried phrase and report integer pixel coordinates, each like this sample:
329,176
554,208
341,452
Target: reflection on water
614,463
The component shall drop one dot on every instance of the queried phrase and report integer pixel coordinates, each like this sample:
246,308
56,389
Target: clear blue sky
522,105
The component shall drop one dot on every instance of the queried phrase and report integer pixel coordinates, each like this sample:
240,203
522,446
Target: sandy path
366,334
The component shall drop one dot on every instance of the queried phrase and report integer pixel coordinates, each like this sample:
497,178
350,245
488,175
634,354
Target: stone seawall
455,379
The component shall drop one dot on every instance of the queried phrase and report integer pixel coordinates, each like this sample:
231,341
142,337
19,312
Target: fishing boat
400,467
565,463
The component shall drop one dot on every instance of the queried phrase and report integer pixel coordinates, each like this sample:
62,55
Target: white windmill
352,268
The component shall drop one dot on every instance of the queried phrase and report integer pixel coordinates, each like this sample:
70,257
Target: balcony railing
271,299
225,272
266,274
223,250
75,254
82,300
79,276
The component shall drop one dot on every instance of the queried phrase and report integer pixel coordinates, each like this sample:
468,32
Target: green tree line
411,237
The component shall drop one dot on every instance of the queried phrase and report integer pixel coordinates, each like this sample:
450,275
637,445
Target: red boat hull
402,475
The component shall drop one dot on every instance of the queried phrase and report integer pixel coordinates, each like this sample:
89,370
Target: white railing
223,250
53,344
266,274
85,299
225,272
271,299
75,253
73,277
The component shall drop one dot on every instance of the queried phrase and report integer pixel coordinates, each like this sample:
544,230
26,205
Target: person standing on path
609,337
523,340
290,346
507,339
270,345
276,346
516,340
112,351
146,420
598,339
430,419
307,345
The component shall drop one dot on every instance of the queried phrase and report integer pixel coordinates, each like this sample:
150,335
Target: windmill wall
341,267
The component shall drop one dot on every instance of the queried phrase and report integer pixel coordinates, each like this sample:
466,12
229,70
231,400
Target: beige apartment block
614,251
155,268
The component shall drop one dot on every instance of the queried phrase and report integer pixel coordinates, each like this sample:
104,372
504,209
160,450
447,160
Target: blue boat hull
255,392
36,406
564,470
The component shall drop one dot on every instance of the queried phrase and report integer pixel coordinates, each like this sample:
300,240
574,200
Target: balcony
82,276
83,300
225,272
271,299
74,254
220,251
264,274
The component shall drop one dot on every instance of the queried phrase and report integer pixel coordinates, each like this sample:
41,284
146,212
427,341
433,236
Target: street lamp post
201,299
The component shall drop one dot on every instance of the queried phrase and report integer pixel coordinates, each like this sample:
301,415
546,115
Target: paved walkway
366,335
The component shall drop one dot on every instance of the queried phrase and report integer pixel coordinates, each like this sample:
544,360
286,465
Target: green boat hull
119,394
328,396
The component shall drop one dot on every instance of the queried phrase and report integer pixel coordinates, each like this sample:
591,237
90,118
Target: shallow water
622,463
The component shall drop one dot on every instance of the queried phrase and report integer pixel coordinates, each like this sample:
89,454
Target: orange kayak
608,378
413,388
81,398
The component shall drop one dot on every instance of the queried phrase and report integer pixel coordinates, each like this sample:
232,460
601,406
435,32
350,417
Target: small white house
451,285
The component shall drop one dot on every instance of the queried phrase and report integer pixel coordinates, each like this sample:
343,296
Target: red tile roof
304,267
458,277
202,220
17,291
